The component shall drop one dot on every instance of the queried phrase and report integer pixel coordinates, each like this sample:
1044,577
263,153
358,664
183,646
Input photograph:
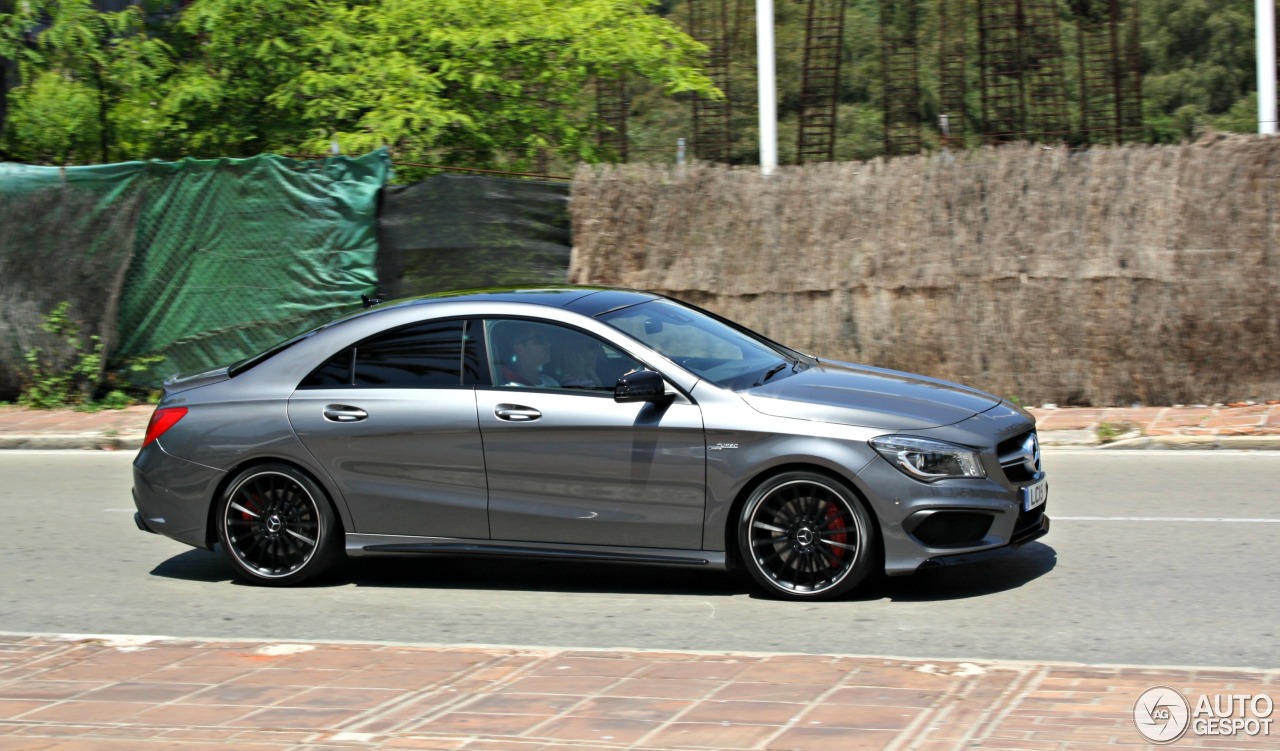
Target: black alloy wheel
277,526
806,536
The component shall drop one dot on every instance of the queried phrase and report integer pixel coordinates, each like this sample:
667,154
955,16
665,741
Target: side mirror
640,386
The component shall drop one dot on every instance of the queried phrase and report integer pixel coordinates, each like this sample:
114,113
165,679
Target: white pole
1265,13
768,92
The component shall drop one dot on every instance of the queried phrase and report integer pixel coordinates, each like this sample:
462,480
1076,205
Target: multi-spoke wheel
277,526
805,536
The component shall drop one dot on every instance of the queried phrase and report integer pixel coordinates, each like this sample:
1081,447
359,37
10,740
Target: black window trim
354,349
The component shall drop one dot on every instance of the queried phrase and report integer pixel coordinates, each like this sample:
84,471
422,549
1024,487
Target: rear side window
333,374
419,356
428,354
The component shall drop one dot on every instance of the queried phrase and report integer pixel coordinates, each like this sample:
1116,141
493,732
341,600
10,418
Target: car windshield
704,345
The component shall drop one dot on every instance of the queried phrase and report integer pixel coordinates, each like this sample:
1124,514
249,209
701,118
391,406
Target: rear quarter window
421,355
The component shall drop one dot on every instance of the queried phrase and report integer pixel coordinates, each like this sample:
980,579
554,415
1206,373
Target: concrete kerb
89,441
1198,442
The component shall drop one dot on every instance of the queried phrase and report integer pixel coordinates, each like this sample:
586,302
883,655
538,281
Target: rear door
393,419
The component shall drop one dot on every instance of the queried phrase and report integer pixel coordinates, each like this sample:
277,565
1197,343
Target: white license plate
1035,495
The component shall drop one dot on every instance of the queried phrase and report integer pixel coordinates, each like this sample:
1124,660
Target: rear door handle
343,413
516,413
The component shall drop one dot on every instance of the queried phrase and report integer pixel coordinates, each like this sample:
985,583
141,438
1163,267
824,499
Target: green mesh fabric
234,255
466,232
198,262
66,236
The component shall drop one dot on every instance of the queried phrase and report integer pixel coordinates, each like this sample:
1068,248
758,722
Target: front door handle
343,413
516,413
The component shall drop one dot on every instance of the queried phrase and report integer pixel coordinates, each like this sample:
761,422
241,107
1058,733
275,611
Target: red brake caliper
835,522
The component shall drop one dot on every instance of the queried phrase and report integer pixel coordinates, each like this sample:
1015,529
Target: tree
82,72
1199,57
493,83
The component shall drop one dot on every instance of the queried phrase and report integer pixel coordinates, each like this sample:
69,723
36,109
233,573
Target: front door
567,464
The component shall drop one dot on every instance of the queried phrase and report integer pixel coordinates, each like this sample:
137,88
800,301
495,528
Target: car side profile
589,424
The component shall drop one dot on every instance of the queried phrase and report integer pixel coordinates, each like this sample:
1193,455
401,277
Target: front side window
533,354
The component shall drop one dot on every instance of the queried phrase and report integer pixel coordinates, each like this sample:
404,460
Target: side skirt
360,545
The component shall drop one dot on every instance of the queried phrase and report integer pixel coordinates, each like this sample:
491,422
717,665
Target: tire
806,536
277,526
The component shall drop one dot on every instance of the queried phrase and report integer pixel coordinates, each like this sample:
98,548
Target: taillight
161,421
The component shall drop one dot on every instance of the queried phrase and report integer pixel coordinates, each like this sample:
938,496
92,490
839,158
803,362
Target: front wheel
806,536
277,526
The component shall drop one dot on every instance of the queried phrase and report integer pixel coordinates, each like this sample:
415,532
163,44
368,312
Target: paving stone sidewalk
1255,426
123,694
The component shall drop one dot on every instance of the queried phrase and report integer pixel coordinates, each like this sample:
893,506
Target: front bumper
950,522
1040,529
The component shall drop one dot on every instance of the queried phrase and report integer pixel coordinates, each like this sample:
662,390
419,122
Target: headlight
928,460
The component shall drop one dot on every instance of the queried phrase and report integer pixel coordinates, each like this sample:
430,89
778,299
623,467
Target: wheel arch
233,473
733,553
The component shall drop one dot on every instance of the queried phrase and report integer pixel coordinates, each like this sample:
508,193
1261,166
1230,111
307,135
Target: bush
51,385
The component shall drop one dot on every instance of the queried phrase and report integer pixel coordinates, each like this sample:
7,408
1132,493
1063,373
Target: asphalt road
1159,558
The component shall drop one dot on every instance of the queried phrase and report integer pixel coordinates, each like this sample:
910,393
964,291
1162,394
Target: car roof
588,301
585,300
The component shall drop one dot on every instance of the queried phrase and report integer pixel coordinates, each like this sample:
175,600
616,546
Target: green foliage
1110,432
507,83
72,381
78,78
494,83
54,119
1199,66
1197,63
56,385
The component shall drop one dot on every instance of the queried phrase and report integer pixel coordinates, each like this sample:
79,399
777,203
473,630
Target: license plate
1035,495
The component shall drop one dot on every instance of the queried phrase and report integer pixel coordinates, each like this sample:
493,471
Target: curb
1197,442
95,441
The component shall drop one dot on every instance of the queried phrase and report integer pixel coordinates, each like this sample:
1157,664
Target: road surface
1154,558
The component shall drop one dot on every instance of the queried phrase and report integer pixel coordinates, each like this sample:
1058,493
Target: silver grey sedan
585,424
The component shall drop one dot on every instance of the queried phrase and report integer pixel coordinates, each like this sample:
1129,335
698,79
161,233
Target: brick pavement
1255,426
123,694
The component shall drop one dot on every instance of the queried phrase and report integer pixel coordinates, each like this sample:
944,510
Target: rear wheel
806,536
277,526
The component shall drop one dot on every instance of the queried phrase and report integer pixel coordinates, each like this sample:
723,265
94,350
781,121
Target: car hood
868,397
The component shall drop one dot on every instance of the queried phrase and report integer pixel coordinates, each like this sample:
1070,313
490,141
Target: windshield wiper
773,372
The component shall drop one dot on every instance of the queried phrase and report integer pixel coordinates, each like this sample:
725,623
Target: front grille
1020,457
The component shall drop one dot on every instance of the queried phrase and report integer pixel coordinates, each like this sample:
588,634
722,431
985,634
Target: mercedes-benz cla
586,424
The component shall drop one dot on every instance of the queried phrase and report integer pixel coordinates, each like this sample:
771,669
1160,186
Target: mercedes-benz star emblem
1031,454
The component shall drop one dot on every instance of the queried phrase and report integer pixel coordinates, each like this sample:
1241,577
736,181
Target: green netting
66,235
234,255
464,232
208,260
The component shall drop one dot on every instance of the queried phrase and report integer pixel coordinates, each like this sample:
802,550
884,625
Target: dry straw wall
1104,277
